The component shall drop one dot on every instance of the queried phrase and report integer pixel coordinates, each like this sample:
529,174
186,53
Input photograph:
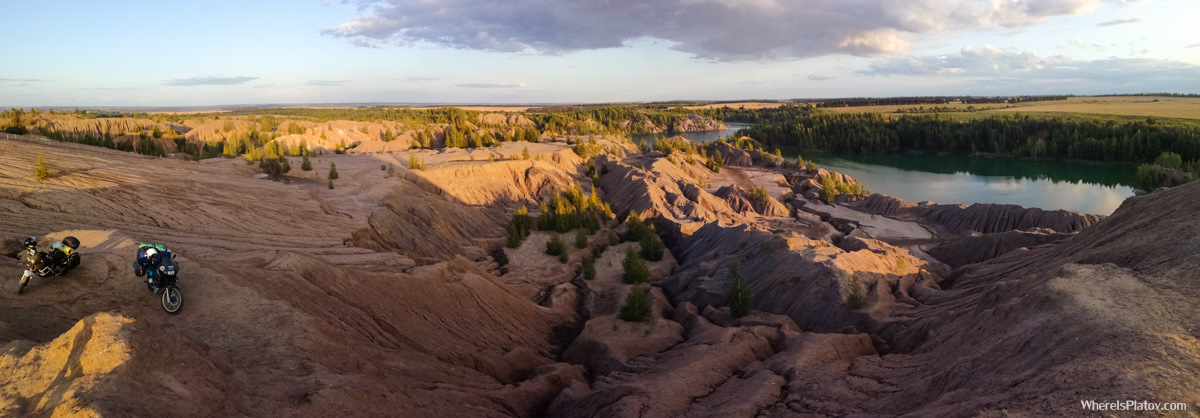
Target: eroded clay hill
284,313
389,294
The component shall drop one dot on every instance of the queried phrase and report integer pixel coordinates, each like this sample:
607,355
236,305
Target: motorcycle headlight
162,268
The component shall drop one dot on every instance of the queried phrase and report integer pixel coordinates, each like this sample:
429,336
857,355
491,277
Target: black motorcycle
162,280
61,259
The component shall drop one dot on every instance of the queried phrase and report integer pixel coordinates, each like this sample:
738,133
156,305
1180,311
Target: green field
1172,110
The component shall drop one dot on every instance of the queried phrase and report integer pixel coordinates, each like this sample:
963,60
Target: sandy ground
274,294
300,302
882,228
749,177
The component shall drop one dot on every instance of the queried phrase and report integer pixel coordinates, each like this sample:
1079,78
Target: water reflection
1084,187
1072,185
695,136
1056,171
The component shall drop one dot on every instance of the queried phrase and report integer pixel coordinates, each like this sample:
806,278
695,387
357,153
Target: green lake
1073,185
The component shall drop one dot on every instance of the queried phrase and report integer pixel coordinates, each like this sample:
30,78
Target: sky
225,52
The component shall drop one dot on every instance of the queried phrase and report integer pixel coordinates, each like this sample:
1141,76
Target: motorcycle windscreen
169,267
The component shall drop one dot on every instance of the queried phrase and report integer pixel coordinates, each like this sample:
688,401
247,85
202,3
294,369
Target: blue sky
127,53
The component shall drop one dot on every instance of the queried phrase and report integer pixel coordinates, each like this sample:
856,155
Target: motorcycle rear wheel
172,300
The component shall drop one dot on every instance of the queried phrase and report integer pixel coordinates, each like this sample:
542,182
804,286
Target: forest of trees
801,126
1021,136
925,100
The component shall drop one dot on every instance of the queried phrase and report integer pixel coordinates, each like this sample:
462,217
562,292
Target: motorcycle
61,259
162,280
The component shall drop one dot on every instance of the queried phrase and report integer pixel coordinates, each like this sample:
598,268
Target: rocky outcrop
807,280
669,382
980,217
501,182
287,315
1026,330
881,204
665,195
739,200
990,218
89,352
410,215
730,155
504,119
694,123
977,248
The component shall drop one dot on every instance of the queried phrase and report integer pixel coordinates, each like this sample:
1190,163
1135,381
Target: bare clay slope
1107,315
1110,314
377,298
281,316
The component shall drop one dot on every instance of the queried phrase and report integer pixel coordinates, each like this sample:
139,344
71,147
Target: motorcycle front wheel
21,286
172,300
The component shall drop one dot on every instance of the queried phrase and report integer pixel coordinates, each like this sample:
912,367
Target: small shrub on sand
652,247
40,172
636,229
556,245
637,305
519,228
415,163
739,293
589,268
581,238
856,299
572,208
635,267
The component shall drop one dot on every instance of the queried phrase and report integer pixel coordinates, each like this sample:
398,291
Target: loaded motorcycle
61,259
160,279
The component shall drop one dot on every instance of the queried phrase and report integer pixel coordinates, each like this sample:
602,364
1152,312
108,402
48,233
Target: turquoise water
695,136
1072,185
915,177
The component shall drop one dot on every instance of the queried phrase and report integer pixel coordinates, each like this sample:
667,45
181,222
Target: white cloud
326,83
1121,21
209,81
711,29
990,64
491,85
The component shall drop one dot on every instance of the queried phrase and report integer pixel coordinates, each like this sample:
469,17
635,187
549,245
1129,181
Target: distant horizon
795,100
203,54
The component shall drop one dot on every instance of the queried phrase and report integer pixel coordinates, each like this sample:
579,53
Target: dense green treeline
574,120
1022,136
408,116
1168,170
